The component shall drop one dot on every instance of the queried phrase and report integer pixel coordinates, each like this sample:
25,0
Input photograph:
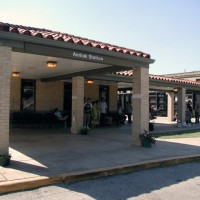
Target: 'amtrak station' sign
87,56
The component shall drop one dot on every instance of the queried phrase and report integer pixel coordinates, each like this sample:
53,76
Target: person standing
121,114
189,112
129,111
189,107
98,110
94,115
103,111
87,114
197,108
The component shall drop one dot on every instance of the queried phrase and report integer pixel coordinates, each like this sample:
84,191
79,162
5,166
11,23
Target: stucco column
77,103
170,106
181,104
140,103
5,79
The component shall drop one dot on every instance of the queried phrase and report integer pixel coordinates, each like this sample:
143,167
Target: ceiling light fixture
15,74
52,64
90,81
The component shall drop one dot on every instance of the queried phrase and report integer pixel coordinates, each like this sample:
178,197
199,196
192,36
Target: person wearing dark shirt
188,113
87,113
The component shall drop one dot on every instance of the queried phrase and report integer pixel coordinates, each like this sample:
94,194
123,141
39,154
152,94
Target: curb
12,186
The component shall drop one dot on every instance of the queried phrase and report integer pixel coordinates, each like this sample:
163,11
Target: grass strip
182,134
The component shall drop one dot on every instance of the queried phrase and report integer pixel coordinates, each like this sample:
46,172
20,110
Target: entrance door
68,101
104,92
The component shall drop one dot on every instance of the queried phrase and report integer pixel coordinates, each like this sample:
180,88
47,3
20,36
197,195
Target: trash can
151,126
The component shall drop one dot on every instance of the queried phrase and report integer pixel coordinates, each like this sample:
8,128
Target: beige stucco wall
113,97
91,91
49,95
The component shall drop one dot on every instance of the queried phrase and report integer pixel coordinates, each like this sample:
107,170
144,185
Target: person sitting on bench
59,116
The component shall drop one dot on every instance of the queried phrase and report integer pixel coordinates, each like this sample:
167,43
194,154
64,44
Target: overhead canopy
77,56
158,82
33,47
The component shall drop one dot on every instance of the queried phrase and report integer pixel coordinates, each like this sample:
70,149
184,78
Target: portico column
181,104
77,103
5,79
140,103
170,106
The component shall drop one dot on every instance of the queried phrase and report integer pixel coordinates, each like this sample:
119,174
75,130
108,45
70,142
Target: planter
151,126
84,131
146,143
5,160
146,139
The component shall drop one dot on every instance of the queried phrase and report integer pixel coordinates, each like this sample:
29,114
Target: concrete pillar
181,104
5,80
77,103
140,103
170,106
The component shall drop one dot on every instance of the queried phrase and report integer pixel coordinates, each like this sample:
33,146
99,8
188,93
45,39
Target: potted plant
84,131
147,139
5,159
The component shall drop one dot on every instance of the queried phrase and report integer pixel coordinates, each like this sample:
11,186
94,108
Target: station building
42,69
49,63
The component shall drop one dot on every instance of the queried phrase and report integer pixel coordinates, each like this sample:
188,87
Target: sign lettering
87,56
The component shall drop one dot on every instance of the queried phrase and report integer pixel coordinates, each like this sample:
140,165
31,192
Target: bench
29,119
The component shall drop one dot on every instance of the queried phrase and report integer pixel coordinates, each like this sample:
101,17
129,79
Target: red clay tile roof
162,78
177,80
64,37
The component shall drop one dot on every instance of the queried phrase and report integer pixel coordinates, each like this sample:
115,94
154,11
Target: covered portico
172,86
27,50
169,85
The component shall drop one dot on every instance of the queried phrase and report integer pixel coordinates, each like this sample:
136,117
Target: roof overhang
174,85
91,61
154,84
76,56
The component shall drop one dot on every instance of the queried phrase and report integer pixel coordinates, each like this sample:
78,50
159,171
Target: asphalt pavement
169,183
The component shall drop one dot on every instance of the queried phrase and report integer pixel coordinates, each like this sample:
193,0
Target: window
27,94
104,92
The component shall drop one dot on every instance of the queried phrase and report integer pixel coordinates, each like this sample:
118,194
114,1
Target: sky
169,30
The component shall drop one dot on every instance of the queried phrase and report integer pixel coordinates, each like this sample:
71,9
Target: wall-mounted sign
87,56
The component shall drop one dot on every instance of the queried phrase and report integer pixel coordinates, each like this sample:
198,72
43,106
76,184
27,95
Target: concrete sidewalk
41,157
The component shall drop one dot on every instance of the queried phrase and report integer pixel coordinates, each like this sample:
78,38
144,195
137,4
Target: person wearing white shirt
103,111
